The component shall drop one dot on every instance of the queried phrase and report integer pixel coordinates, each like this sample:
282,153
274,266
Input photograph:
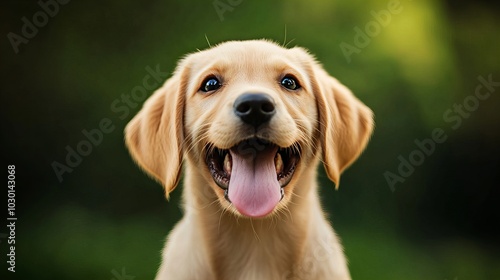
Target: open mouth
253,173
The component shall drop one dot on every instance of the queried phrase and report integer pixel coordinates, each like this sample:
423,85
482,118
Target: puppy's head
250,117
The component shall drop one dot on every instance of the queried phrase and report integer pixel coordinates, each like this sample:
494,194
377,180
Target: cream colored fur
213,241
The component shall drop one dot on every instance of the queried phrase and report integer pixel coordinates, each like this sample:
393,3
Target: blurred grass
81,244
381,254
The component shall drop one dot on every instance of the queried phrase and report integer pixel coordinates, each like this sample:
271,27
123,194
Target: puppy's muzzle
254,171
254,108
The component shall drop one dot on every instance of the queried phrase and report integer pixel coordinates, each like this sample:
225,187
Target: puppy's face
251,117
250,120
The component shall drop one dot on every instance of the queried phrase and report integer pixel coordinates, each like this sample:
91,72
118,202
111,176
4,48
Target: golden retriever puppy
250,121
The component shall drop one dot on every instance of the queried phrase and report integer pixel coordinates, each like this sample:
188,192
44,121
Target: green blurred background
108,220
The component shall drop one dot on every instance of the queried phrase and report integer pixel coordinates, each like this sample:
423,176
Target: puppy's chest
255,259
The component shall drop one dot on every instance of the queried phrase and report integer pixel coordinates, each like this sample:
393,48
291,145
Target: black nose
254,108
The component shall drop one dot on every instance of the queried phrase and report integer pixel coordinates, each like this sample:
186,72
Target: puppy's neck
285,231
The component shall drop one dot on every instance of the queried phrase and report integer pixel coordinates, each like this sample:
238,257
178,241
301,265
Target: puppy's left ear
345,124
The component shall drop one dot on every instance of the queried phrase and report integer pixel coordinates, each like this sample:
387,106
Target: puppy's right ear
154,136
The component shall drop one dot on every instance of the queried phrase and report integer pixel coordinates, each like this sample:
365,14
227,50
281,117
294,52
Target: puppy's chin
252,176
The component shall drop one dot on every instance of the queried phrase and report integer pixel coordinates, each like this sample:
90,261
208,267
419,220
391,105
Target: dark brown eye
290,83
210,84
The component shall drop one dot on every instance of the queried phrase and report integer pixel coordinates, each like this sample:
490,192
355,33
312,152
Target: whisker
254,231
208,42
289,42
201,137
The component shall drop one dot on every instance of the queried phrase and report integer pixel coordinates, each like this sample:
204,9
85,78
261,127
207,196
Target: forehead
247,58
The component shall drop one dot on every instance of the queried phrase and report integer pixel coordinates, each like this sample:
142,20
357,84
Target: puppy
250,121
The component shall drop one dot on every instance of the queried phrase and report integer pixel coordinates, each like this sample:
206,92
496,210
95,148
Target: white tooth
278,163
227,164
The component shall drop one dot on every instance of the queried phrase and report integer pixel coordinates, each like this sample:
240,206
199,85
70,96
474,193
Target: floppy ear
154,136
345,124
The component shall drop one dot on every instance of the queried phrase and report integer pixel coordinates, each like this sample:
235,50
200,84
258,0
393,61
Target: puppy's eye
290,83
210,84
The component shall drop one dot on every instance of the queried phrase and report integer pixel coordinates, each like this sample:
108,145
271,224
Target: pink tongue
253,188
